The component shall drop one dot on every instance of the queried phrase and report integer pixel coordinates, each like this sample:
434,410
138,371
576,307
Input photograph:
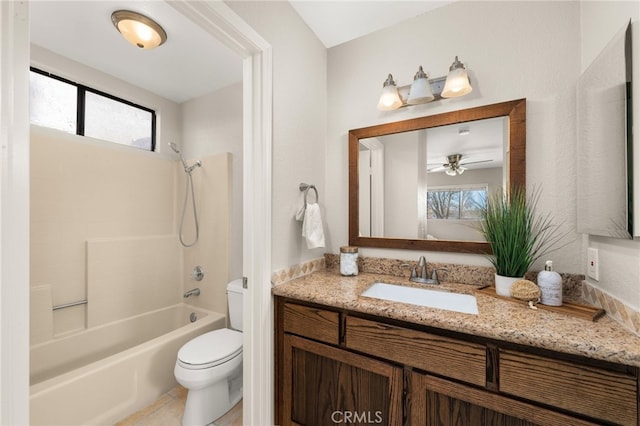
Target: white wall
401,184
619,271
531,51
299,123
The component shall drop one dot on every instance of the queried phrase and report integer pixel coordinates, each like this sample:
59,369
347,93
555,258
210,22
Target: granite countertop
498,319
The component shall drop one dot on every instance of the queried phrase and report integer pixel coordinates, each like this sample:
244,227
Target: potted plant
517,235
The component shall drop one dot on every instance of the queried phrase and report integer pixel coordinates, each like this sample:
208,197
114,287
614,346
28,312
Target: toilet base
200,409
204,405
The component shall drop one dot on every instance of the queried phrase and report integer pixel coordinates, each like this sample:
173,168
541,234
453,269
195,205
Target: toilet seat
210,349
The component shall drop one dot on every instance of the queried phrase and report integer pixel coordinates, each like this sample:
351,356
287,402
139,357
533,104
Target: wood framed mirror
392,196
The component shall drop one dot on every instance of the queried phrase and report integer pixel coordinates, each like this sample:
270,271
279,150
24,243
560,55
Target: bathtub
103,374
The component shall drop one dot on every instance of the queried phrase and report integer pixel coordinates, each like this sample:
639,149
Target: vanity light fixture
420,91
457,81
389,99
138,29
423,90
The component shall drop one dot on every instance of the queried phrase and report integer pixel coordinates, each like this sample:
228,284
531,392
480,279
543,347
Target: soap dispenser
550,284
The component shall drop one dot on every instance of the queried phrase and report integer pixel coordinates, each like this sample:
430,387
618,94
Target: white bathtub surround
130,276
212,189
41,309
122,371
84,189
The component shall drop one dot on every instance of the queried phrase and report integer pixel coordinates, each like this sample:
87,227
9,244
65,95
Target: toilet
210,367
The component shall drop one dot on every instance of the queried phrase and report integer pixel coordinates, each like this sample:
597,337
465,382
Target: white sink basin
464,303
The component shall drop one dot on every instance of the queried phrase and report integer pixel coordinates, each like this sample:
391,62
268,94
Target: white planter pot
503,285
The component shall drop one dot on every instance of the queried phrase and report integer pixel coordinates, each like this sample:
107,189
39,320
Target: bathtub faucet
194,292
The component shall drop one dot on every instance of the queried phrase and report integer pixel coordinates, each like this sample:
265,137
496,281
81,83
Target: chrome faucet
193,292
419,273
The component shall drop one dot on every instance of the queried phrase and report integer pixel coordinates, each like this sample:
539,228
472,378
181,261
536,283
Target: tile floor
167,411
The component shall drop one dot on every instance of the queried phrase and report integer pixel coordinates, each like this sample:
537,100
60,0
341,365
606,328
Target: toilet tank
234,299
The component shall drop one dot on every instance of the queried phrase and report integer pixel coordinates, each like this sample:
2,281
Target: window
74,108
458,203
53,103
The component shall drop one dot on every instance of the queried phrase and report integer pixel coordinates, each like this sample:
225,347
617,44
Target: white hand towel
312,226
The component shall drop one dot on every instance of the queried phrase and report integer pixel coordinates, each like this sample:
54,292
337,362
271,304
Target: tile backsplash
625,315
287,274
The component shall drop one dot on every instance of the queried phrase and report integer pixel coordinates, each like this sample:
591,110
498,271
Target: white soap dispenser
550,284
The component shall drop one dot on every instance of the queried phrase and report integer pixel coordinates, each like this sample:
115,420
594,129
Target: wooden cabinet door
324,385
439,402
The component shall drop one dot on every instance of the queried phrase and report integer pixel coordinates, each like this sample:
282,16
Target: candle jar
348,261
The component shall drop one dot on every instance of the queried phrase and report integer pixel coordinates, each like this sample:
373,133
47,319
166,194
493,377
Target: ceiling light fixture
453,165
423,90
138,29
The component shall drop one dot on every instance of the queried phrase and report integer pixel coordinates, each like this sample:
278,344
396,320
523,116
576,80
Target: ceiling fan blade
475,162
436,169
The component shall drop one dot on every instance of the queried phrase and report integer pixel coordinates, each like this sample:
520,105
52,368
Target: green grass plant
517,234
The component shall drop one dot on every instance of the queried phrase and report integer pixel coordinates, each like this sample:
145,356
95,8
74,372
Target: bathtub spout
193,292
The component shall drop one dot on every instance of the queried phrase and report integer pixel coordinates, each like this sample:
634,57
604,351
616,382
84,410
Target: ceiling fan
454,166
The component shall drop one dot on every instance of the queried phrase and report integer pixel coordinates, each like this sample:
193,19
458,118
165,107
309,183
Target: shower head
187,169
174,147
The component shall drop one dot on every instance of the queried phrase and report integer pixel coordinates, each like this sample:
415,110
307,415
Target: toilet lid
211,349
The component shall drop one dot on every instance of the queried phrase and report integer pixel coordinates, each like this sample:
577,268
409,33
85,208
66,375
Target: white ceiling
485,141
191,63
337,21
178,70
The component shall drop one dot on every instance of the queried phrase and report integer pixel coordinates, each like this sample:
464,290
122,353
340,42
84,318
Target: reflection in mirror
422,183
447,171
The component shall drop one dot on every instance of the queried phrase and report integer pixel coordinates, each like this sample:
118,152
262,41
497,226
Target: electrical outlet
592,263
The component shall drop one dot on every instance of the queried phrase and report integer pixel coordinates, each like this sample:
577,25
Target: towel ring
304,187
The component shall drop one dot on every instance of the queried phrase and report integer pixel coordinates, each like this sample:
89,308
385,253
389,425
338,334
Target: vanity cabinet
340,367
323,385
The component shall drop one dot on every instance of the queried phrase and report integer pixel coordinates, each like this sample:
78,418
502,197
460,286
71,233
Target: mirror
605,142
418,184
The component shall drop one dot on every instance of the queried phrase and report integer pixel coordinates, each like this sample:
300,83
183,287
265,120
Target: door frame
220,21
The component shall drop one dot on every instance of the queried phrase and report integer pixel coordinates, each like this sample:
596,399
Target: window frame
81,104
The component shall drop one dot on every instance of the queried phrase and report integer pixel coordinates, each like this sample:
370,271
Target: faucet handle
414,272
434,274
